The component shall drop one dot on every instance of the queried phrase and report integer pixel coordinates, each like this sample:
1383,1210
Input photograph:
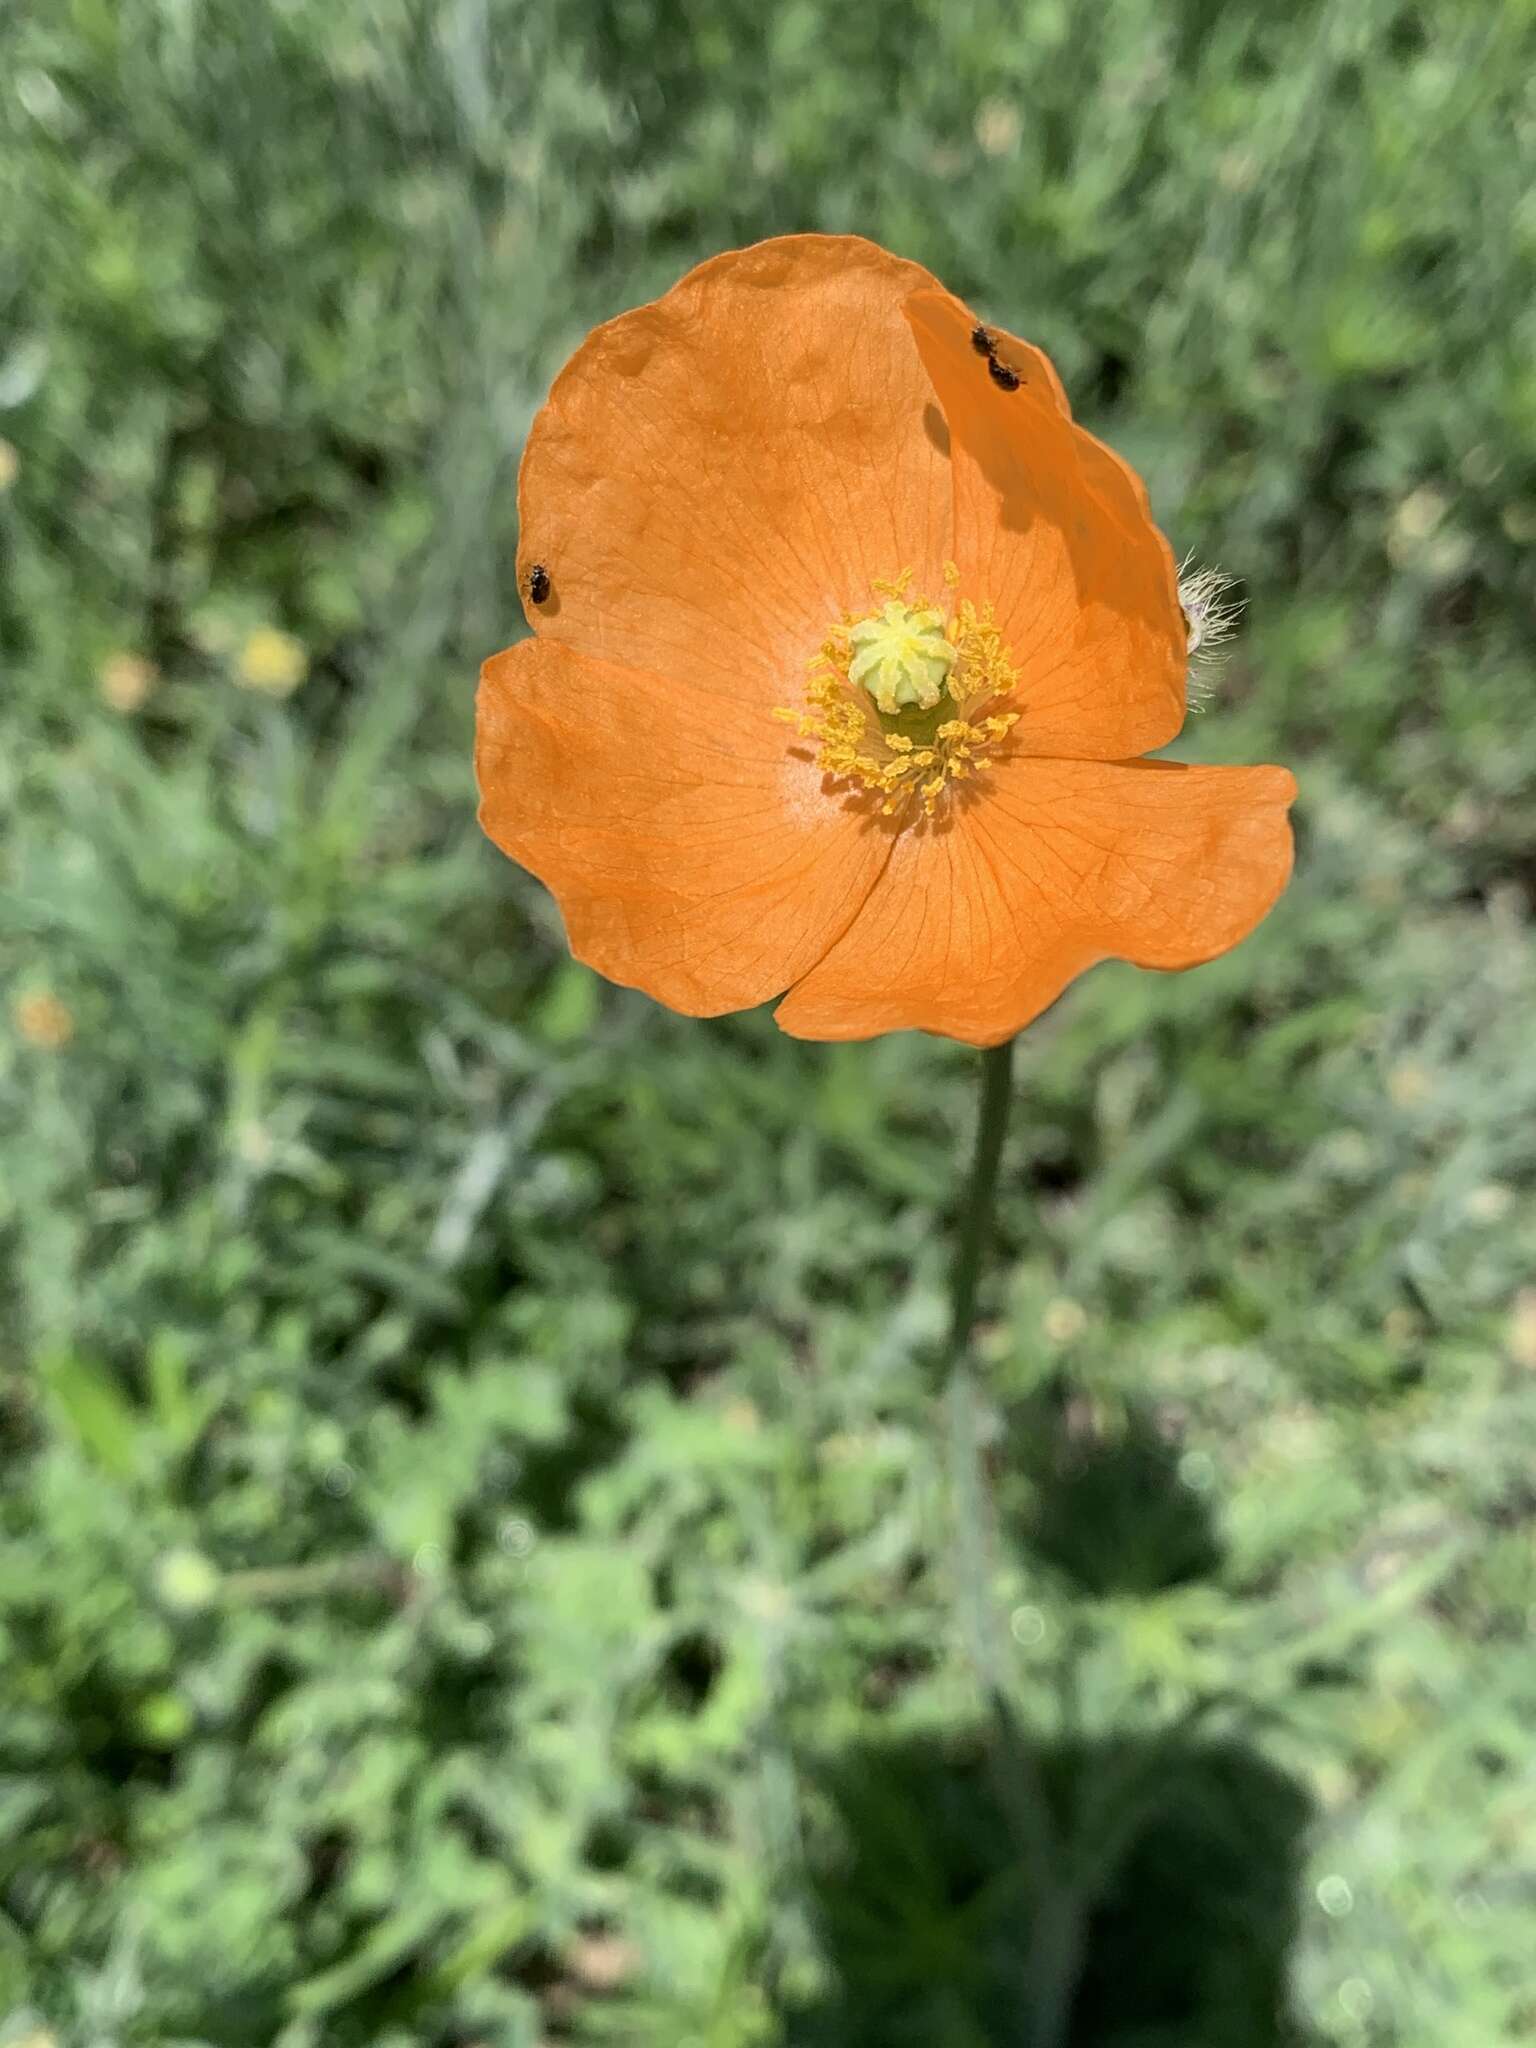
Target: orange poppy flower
845,641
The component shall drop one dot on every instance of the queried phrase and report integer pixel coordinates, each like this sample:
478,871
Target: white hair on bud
1211,618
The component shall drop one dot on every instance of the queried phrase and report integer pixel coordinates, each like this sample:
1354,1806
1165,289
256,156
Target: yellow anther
875,686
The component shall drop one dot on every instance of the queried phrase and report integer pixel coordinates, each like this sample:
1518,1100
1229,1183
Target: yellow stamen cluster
877,693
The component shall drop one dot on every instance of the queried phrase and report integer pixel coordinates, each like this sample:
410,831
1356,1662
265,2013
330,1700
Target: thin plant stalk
967,1471
1054,1955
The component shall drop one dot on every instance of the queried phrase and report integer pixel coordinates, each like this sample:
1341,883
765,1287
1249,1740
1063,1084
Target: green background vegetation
474,1556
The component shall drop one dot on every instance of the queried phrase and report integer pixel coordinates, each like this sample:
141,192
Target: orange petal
975,927
688,843
1055,530
718,476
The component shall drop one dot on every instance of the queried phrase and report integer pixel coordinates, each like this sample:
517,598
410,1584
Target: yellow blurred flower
1064,1320
1419,514
843,1447
998,127
1409,1084
272,662
10,463
741,1415
1522,1329
764,1599
44,1021
1491,1202
1416,540
604,1962
253,1142
1333,1783
124,681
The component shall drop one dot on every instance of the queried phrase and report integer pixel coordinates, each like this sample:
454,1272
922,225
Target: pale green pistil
901,657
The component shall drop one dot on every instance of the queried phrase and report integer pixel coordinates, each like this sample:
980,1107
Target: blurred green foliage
474,1559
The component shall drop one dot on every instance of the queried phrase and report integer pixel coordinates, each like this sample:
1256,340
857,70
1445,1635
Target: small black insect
1001,374
982,341
538,583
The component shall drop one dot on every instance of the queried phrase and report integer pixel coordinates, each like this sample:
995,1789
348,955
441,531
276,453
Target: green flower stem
966,1471
1053,1956
981,1197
